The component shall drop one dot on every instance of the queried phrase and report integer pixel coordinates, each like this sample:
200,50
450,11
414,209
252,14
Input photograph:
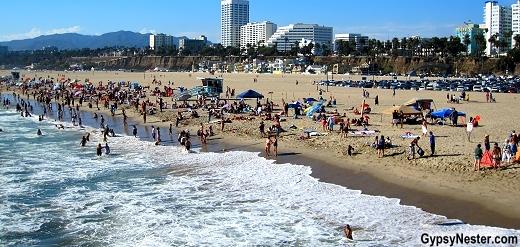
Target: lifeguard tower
211,87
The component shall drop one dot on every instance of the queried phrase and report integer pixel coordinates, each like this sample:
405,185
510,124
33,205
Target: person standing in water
134,131
83,141
98,149
107,149
39,132
348,232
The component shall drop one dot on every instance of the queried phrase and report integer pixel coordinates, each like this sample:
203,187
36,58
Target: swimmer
60,126
107,149
39,132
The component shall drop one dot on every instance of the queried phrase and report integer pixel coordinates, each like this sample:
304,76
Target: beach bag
420,152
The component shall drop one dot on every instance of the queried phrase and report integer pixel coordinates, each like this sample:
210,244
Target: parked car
477,88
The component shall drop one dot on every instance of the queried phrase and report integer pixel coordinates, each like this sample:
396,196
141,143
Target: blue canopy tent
250,94
134,85
446,112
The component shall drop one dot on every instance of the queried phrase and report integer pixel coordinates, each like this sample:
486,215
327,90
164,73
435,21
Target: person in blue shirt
432,143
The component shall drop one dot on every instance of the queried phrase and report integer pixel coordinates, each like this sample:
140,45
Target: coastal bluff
400,65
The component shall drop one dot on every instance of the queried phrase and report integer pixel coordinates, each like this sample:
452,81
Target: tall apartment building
497,19
233,15
285,37
358,38
253,33
515,21
471,30
161,39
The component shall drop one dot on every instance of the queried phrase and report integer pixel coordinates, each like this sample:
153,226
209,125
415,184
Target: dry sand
449,174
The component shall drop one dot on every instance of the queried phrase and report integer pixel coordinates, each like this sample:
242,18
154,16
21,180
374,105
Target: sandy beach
445,183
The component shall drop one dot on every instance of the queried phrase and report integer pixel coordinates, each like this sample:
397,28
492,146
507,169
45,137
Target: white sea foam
147,195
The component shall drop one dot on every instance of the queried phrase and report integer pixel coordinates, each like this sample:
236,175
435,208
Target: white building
252,33
161,39
233,15
515,21
358,38
285,37
497,19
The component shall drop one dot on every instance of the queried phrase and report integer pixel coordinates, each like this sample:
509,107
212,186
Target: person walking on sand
478,158
432,143
424,127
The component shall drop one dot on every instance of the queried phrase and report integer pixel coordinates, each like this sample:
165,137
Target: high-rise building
161,39
356,37
255,33
471,30
515,21
285,37
233,15
497,20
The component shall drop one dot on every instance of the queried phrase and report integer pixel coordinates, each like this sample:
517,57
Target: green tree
466,41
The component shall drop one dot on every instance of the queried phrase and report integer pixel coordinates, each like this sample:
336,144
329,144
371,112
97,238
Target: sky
380,19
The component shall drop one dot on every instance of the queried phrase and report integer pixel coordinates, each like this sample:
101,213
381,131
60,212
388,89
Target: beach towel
368,132
317,134
487,159
408,135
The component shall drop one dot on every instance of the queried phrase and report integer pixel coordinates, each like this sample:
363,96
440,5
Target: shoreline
445,194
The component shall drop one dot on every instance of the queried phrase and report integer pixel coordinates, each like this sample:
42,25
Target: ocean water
55,193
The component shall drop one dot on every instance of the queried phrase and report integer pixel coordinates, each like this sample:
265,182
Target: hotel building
285,37
471,30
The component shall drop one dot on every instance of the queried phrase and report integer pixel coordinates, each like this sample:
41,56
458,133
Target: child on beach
350,149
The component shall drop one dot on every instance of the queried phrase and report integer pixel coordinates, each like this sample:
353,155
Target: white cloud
73,29
144,31
36,32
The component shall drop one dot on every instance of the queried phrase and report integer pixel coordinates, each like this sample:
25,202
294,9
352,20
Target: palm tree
492,40
507,36
466,41
517,40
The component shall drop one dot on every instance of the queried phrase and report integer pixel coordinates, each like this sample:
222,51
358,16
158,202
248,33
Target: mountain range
71,41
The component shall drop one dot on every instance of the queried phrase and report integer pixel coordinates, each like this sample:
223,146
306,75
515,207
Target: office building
255,33
233,15
286,37
161,39
497,20
356,37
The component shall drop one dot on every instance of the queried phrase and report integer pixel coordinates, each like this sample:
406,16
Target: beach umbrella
310,99
78,86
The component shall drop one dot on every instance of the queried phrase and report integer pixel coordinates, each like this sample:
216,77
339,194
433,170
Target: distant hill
78,41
